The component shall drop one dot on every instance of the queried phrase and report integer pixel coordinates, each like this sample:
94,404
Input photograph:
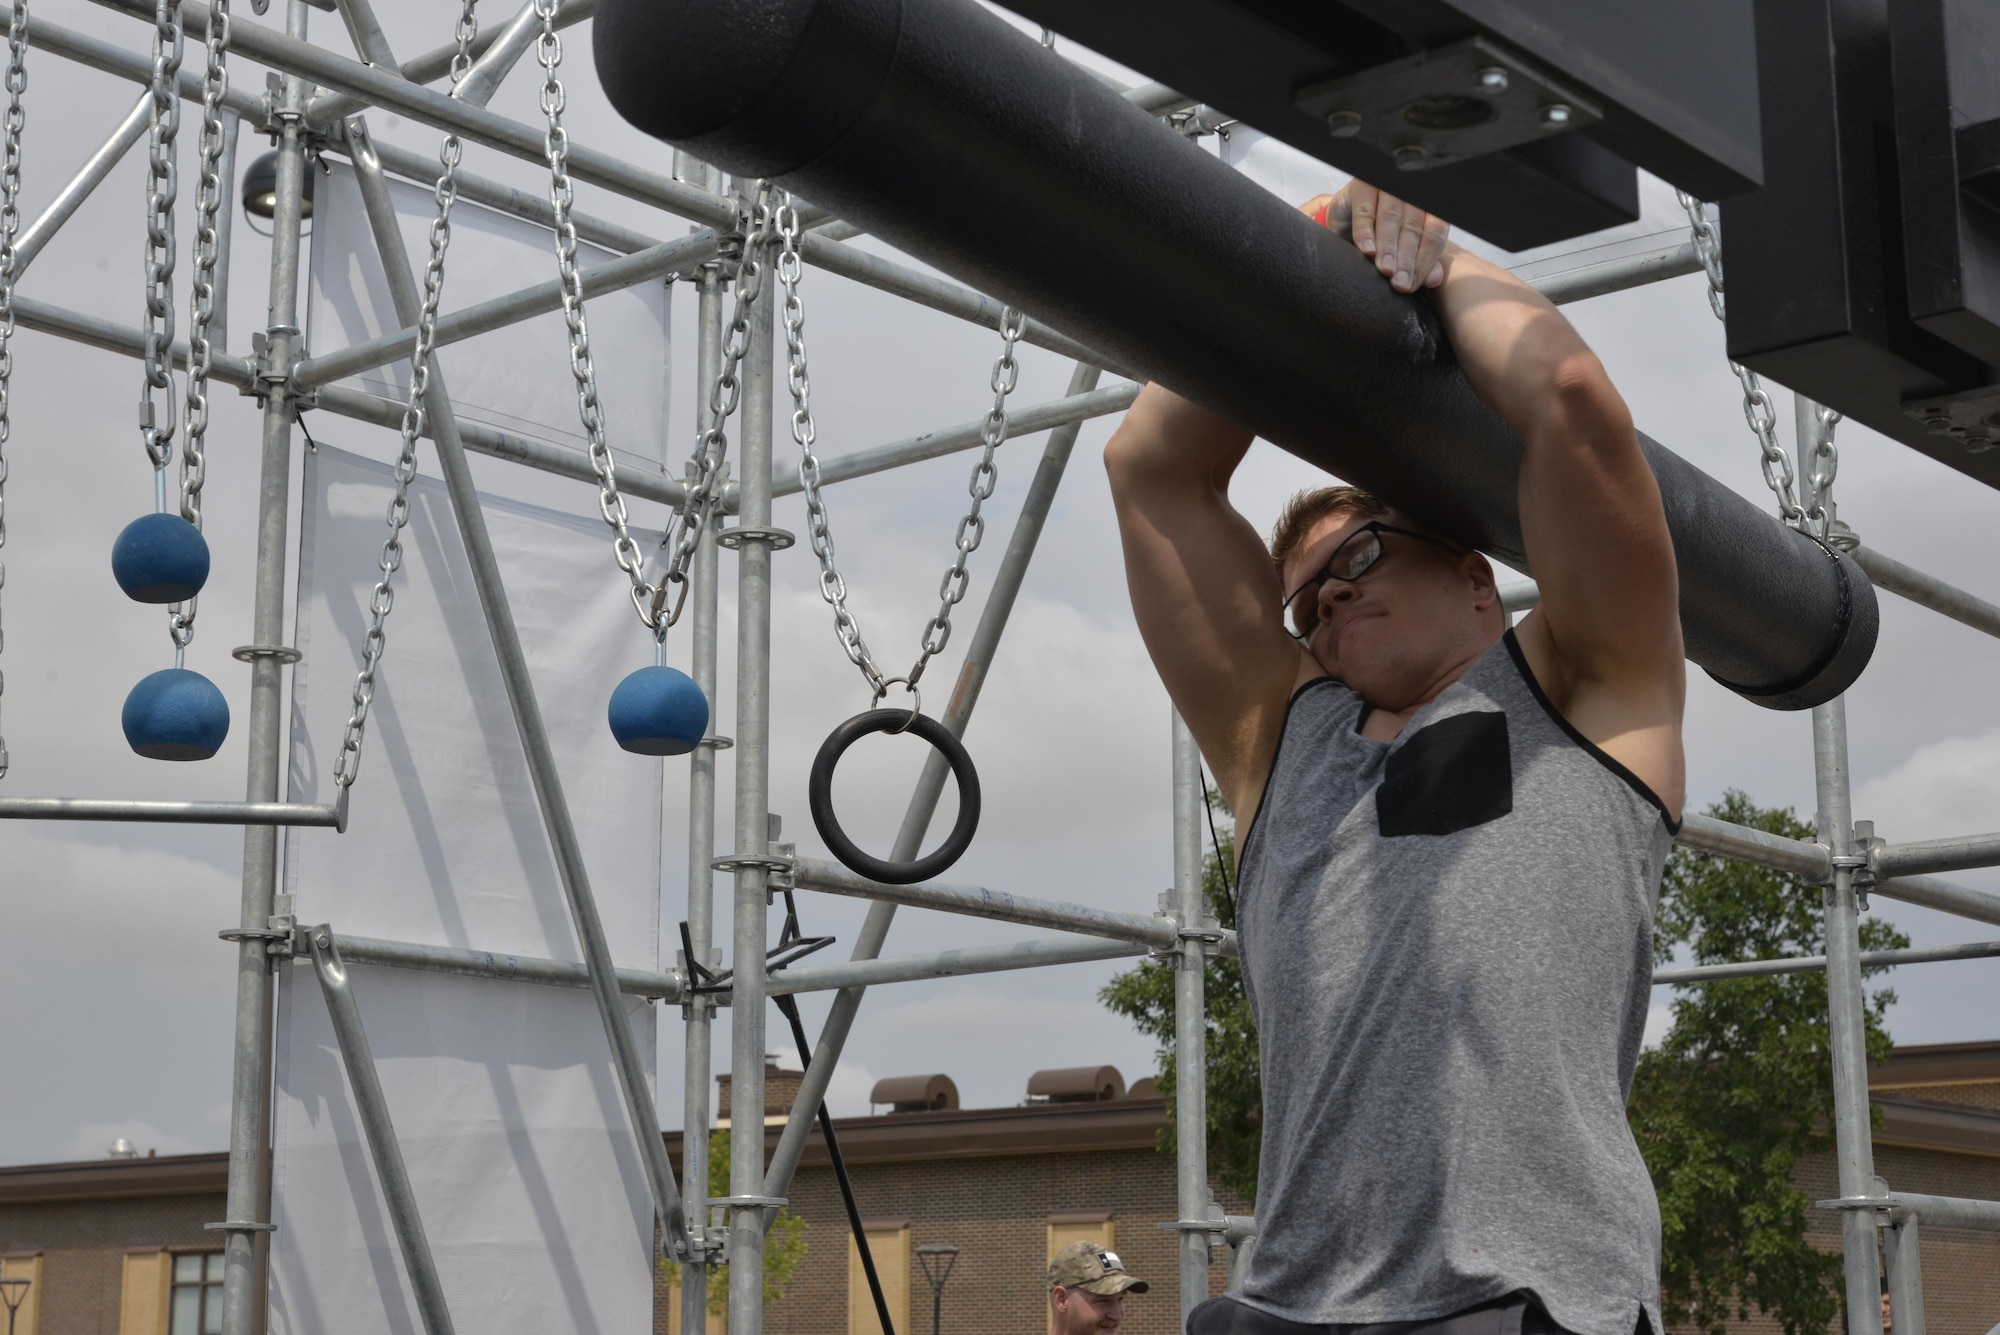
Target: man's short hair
1307,508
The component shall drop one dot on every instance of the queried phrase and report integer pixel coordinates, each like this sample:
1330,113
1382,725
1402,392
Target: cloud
847,1093
1948,787
121,996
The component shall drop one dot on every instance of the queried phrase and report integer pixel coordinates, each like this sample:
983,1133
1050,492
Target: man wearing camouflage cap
1087,1288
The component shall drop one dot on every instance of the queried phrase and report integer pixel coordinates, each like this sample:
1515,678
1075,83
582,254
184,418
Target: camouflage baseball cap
1087,1266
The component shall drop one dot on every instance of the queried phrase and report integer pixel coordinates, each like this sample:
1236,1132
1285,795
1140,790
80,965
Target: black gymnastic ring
819,796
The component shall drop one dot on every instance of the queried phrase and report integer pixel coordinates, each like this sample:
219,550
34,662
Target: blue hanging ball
160,558
658,711
175,714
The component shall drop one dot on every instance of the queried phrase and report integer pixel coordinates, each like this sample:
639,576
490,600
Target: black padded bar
938,127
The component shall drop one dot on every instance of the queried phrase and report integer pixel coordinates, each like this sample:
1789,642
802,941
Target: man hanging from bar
1453,833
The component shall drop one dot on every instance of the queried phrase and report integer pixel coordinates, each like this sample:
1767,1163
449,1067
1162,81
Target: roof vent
915,1093
1076,1084
122,1148
1145,1087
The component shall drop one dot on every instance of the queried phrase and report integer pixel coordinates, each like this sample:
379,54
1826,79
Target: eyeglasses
1358,554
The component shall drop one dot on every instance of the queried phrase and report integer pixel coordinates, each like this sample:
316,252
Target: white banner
504,1100
516,378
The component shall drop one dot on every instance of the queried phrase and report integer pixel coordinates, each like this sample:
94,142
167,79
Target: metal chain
156,421
207,240
757,223
10,227
831,586
1758,410
208,207
1820,472
699,502
347,764
971,529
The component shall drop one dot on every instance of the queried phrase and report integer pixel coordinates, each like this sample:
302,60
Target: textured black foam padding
938,127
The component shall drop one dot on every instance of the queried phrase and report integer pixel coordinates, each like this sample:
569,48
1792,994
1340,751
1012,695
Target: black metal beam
1249,65
1817,299
1674,88
1946,78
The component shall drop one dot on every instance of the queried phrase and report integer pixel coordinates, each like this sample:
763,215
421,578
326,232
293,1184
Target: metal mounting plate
1448,104
1972,417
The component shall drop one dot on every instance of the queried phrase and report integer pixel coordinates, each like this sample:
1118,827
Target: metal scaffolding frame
310,108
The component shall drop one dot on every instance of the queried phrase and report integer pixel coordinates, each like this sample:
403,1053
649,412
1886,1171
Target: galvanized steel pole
245,1251
124,63
1903,1267
754,542
436,63
965,436
88,177
1950,1211
635,270
489,964
1190,1020
371,1107
698,1012
1957,853
389,90
1928,591
370,42
97,332
327,815
978,901
491,69
1945,896
1846,1010
225,229
1870,959
961,960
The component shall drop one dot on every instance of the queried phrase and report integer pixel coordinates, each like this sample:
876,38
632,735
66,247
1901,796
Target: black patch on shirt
1453,775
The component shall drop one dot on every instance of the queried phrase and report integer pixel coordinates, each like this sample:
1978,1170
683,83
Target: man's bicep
1597,536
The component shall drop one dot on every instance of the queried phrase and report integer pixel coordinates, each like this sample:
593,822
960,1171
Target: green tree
784,1242
1145,996
1741,1087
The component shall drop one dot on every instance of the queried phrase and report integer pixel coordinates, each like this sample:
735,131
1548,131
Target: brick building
104,1243
1940,1136
117,1247
1009,1186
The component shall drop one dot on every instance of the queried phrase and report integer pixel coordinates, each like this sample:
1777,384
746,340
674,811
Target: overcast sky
115,995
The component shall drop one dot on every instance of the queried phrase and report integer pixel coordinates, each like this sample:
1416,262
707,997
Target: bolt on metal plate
1970,417
1448,104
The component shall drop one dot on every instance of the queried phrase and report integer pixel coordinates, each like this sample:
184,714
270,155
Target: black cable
1215,842
312,444
790,1010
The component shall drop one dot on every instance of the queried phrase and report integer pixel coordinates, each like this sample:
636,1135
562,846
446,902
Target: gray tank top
1447,941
